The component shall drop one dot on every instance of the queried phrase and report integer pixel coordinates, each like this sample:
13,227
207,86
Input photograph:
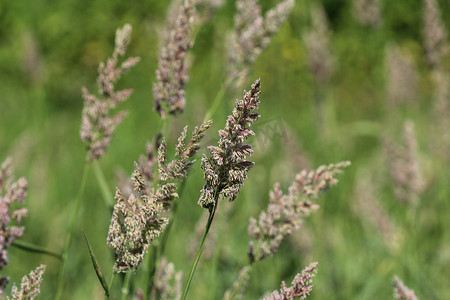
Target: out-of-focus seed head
97,126
172,72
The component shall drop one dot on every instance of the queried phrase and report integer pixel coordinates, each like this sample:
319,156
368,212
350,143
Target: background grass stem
105,190
35,248
60,284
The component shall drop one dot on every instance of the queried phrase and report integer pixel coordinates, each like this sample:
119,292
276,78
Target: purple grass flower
141,217
404,167
252,34
239,286
172,72
225,170
401,291
11,192
30,287
97,126
434,34
300,287
368,12
285,212
168,282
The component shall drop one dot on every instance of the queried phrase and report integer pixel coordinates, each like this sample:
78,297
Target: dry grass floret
30,287
140,218
301,285
11,192
401,291
225,170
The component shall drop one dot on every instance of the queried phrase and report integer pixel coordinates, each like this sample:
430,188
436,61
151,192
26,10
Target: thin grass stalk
59,287
35,248
212,212
106,192
111,281
126,285
162,126
319,105
149,287
218,98
174,211
165,237
216,256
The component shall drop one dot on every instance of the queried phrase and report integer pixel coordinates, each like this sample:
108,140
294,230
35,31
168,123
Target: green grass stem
68,243
104,188
126,285
111,281
216,102
212,212
216,256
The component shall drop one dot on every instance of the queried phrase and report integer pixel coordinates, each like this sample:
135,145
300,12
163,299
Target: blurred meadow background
341,80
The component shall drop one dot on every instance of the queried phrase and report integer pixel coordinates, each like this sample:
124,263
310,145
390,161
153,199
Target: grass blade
200,248
26,246
97,269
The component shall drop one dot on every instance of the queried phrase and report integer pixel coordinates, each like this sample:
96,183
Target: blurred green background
50,49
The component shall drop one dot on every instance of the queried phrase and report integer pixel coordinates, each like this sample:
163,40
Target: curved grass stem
216,102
